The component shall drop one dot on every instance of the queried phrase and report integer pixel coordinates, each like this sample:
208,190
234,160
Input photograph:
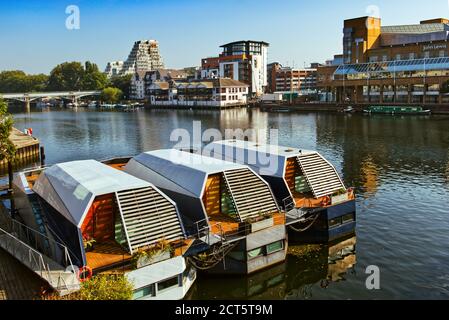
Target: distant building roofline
245,41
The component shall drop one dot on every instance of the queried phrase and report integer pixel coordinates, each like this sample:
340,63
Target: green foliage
111,95
93,78
17,81
88,243
340,192
75,76
7,148
107,287
123,83
66,76
161,247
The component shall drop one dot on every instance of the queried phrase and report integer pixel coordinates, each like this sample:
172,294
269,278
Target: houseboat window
301,185
334,222
255,253
274,247
348,218
167,284
227,202
145,292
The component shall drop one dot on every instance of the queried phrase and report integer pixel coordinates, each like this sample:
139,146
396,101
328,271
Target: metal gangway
28,247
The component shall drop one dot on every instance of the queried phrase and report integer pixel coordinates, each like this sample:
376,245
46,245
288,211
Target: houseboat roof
72,186
178,171
264,158
272,160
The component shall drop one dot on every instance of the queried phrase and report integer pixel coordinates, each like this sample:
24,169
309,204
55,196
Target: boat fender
85,274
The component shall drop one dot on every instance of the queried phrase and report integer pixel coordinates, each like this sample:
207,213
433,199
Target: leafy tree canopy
7,148
111,95
18,81
123,83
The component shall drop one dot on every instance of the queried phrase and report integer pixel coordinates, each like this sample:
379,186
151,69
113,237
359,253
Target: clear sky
34,37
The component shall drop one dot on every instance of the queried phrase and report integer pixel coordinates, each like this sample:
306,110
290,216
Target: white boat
82,201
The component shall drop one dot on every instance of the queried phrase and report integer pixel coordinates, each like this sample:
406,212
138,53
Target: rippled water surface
399,166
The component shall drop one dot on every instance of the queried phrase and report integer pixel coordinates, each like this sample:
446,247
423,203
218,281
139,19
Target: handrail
16,227
33,259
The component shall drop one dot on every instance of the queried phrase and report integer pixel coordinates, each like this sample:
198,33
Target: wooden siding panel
99,223
290,173
212,195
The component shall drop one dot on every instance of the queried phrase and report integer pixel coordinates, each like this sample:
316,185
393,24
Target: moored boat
406,110
111,222
229,209
319,207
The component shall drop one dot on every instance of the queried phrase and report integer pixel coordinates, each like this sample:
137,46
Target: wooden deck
106,254
227,225
17,282
118,166
182,246
232,227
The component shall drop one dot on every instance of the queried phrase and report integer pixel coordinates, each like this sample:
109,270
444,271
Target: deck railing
62,280
42,243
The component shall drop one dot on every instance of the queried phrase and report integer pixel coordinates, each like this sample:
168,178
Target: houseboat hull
333,223
253,254
167,280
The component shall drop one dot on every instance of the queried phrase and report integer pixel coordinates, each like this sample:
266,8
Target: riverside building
244,61
403,64
144,56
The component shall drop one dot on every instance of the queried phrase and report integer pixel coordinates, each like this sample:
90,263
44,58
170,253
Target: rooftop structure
144,56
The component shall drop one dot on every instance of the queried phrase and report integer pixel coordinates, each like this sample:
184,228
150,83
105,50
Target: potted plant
88,243
161,251
262,221
340,196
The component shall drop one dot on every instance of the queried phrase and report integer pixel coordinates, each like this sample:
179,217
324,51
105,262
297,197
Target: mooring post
42,156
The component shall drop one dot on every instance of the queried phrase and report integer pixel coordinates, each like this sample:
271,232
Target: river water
398,165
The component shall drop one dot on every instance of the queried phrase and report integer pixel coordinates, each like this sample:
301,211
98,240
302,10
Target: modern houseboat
407,110
110,222
305,185
227,206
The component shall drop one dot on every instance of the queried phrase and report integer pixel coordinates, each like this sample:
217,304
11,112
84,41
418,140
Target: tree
100,287
7,147
93,78
107,287
123,83
66,76
111,95
18,81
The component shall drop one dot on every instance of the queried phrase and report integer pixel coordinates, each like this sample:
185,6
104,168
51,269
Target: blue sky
34,37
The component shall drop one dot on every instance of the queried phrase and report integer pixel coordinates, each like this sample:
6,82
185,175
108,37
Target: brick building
404,64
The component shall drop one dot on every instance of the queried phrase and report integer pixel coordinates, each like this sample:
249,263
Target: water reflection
319,267
307,267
